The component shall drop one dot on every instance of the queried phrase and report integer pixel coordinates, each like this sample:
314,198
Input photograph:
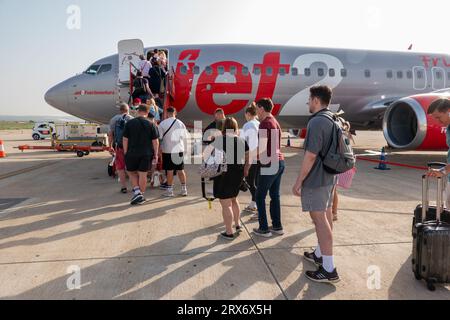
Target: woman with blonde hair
227,186
154,110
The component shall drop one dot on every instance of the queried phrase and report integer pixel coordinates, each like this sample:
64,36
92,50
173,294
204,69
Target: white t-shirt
173,142
250,134
144,67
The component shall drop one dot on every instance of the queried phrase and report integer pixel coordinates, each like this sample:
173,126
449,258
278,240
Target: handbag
214,166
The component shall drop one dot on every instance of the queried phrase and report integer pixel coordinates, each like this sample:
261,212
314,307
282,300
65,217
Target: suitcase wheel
418,276
430,285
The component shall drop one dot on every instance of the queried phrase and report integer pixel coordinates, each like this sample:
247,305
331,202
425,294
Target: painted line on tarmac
265,261
25,170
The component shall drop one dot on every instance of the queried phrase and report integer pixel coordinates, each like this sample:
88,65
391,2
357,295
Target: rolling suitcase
431,242
431,212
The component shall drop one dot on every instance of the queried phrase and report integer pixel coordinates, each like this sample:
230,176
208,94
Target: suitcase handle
437,165
425,197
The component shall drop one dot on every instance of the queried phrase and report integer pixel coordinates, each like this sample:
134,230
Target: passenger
341,178
173,135
136,103
141,88
214,129
250,134
154,110
144,67
315,185
155,58
157,79
154,171
163,58
140,144
226,187
116,129
439,110
271,161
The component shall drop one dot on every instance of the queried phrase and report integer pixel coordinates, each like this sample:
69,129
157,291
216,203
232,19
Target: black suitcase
431,212
431,241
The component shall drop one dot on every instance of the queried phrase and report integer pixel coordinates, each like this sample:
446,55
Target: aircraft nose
57,96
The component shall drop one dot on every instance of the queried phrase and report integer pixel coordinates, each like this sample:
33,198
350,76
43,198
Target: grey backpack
339,157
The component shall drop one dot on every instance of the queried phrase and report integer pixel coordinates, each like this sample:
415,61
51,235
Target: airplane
375,89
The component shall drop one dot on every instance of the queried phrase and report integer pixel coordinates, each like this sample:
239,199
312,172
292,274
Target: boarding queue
247,159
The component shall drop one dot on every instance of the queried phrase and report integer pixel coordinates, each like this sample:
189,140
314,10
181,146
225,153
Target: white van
42,130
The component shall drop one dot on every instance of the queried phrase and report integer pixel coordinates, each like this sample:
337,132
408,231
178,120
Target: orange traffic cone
2,150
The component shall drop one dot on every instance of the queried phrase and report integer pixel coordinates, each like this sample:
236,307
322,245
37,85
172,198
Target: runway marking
25,170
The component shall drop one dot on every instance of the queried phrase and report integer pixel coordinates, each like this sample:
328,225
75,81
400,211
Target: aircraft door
129,52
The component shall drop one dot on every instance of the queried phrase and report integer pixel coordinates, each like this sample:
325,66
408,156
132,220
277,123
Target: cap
137,100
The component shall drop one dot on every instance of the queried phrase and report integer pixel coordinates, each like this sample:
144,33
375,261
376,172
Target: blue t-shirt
447,133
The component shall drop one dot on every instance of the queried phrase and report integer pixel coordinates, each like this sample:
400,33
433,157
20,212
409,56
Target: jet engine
406,124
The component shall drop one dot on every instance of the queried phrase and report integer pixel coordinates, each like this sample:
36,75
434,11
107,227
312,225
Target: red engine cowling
406,124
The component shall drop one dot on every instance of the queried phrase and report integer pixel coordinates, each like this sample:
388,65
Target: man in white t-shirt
173,135
250,134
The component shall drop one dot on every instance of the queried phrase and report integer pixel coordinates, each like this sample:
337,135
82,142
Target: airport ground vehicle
43,130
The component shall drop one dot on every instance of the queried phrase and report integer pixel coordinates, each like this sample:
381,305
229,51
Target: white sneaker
251,209
183,192
169,193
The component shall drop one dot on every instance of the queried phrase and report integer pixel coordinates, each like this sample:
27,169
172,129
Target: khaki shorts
317,199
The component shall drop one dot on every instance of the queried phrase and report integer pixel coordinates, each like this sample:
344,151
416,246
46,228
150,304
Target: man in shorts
173,135
140,145
315,185
115,135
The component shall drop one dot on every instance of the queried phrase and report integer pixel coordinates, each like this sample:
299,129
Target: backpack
140,87
339,157
118,130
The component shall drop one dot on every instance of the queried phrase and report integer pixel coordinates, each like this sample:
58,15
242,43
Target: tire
86,153
36,136
80,154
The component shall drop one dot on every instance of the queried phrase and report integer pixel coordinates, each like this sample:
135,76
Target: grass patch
16,125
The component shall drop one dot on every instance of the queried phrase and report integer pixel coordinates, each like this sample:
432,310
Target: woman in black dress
227,186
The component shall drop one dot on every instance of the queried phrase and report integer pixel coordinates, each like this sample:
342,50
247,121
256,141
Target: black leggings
252,179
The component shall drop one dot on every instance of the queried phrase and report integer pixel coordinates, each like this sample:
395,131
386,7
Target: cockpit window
104,68
92,69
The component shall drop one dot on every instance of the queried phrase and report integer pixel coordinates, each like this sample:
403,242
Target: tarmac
63,219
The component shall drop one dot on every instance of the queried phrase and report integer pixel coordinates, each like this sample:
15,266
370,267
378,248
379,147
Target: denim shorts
317,199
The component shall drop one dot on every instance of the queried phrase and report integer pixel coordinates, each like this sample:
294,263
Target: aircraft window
269,71
409,74
104,68
307,72
389,74
196,69
419,74
233,70
43,126
183,70
331,72
257,71
367,73
220,70
438,75
208,70
343,73
245,71
295,71
92,69
320,72
400,74
282,71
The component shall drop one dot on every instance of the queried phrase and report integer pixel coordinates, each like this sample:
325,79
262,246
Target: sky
42,43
